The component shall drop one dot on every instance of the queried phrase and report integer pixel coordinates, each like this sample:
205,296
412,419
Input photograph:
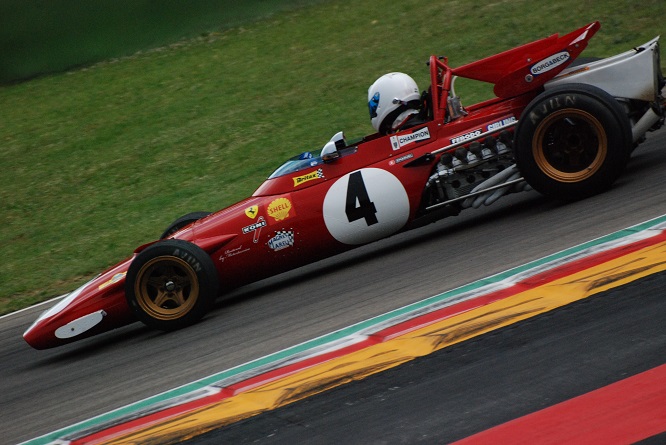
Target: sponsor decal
233,252
467,136
114,279
549,63
281,240
317,174
501,124
279,209
400,159
256,228
422,134
261,222
252,212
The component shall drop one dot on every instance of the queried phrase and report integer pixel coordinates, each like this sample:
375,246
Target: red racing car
565,129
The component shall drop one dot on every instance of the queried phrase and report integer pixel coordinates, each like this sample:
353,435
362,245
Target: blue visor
373,104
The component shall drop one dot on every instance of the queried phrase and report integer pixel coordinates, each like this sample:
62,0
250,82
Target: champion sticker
317,174
550,63
397,142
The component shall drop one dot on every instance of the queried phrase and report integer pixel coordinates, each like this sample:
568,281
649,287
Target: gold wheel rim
570,145
166,288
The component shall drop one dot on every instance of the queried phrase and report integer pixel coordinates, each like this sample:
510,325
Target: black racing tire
183,221
171,284
572,141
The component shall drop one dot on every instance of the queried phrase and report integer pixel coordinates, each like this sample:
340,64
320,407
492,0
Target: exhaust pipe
644,124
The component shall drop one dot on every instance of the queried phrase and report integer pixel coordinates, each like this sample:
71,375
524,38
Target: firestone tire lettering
171,284
572,142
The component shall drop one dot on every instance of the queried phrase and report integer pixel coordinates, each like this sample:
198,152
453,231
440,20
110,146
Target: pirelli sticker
317,174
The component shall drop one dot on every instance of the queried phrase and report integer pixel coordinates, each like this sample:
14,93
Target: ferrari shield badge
252,212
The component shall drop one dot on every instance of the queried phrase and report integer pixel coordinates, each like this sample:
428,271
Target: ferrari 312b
563,128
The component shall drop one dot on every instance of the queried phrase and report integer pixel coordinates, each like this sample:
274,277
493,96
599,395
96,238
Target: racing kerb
272,367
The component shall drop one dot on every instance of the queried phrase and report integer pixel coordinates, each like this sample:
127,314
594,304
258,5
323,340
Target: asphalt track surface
42,391
473,386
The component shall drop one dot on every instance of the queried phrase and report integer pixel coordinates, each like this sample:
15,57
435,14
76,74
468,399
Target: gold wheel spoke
167,288
179,297
162,298
570,146
155,282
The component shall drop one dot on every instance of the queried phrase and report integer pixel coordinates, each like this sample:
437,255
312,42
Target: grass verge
99,160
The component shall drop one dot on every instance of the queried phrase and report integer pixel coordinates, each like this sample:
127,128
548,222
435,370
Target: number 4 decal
353,205
358,205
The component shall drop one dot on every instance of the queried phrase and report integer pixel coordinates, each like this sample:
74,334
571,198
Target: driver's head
391,99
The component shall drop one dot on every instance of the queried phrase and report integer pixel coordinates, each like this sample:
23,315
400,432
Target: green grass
38,36
98,161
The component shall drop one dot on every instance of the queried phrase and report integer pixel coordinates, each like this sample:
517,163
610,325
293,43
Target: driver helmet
391,100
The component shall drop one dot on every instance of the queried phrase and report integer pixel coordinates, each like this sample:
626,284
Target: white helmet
391,96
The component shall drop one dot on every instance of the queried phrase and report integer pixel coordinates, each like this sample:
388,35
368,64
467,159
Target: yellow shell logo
279,209
252,212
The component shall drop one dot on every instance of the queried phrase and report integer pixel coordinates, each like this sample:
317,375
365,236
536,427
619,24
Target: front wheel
171,284
572,142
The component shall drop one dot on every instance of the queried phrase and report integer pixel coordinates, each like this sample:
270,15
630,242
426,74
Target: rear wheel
572,142
171,284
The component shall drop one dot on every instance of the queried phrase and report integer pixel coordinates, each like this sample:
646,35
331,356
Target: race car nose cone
80,325
42,335
36,338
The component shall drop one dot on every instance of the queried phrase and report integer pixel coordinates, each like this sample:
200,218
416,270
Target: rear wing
529,66
520,69
513,72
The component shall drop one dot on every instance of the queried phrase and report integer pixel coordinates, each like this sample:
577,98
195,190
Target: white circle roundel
365,206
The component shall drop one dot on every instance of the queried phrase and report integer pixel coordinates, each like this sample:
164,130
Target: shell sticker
280,209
